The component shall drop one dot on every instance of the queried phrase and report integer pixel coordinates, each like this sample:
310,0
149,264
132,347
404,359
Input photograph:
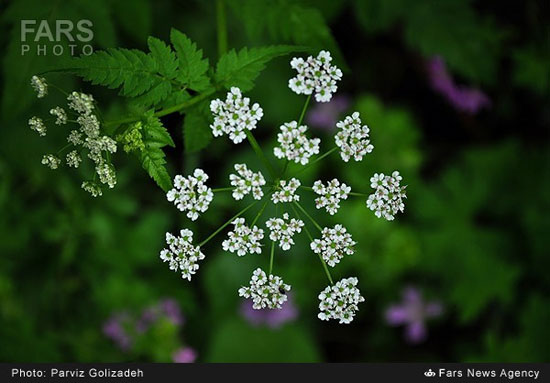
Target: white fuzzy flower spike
234,116
283,229
315,75
352,138
246,181
387,200
294,145
340,301
243,239
181,254
191,194
330,195
334,244
265,291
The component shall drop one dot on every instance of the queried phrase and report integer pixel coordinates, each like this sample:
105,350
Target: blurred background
456,94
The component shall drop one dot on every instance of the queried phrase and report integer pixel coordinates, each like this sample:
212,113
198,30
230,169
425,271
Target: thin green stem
271,256
358,194
325,267
302,115
227,223
260,153
261,211
309,216
222,27
63,148
316,160
222,189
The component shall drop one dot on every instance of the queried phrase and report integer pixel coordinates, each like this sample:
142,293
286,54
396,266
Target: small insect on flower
340,301
246,181
387,200
243,239
294,145
283,229
352,138
37,124
265,291
334,244
315,75
51,161
234,116
40,85
60,114
286,191
330,195
181,255
191,194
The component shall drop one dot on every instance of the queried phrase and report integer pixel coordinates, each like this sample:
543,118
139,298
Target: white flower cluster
191,194
352,138
283,229
243,239
81,103
294,145
246,181
181,254
387,200
315,75
286,191
73,159
265,291
51,161
40,85
234,115
93,188
340,301
334,244
60,114
37,124
330,195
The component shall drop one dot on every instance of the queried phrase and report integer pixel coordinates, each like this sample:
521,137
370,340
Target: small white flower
283,229
265,291
243,239
93,188
294,145
107,174
286,191
352,138
61,115
51,161
191,194
181,255
315,75
387,199
40,85
330,195
234,115
89,125
246,181
37,124
334,244
340,301
73,159
75,138
81,103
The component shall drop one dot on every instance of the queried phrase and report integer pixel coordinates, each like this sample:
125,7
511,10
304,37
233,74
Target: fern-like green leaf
192,66
164,57
241,68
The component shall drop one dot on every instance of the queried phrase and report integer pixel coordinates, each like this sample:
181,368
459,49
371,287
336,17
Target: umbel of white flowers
237,117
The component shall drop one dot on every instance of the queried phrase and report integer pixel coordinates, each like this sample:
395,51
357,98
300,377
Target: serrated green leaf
241,68
156,133
192,66
196,129
164,57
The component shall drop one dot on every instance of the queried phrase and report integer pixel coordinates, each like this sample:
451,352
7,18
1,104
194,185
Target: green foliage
196,128
193,66
241,68
155,137
532,69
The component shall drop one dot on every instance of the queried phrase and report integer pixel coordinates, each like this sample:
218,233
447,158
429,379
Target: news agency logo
67,36
429,373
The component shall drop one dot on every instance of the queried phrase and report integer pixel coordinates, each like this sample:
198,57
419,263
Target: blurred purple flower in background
413,312
167,308
114,329
463,98
184,355
273,318
325,115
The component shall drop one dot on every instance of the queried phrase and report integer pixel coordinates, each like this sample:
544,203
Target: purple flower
184,355
324,115
462,98
273,318
171,310
114,328
413,312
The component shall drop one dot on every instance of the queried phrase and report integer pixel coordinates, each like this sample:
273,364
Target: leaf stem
309,216
221,27
271,256
222,189
259,152
316,160
261,210
227,223
302,115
